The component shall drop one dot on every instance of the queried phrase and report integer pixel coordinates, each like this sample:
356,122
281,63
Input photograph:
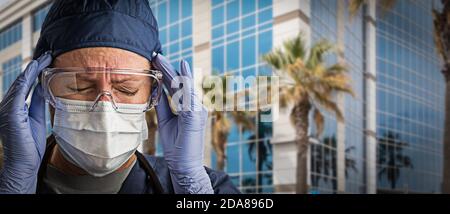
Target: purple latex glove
23,131
182,135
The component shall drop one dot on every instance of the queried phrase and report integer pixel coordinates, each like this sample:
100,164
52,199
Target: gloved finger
163,110
185,69
21,87
169,72
37,118
44,61
189,86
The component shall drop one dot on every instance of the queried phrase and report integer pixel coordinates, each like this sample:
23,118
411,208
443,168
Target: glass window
187,8
248,51
232,9
187,43
174,33
265,42
265,16
232,164
174,10
232,27
218,15
187,28
248,22
218,59
39,17
264,3
248,6
217,32
162,14
11,35
11,69
232,56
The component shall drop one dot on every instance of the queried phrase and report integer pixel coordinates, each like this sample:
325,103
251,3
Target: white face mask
101,141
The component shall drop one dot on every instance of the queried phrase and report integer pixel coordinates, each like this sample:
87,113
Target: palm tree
391,158
221,121
310,85
442,42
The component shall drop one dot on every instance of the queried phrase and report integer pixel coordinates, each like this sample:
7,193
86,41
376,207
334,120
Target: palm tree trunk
219,142
446,169
299,116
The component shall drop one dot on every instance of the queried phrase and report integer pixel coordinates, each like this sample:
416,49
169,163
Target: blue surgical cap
75,24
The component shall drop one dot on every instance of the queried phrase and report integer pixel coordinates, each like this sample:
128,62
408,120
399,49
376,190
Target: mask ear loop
104,93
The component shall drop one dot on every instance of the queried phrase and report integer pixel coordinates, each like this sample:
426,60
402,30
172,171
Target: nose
104,96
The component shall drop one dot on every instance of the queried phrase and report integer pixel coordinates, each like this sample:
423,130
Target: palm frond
317,52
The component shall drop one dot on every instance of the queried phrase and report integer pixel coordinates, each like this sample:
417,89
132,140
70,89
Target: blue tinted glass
174,10
248,51
217,32
250,72
265,16
187,8
174,47
218,16
248,6
233,27
216,2
174,33
249,151
232,9
218,56
233,159
248,22
162,14
187,28
233,136
265,42
264,3
163,36
187,43
232,56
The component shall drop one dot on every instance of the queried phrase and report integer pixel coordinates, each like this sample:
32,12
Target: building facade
391,140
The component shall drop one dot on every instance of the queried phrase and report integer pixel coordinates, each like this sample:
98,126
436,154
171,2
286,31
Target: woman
101,69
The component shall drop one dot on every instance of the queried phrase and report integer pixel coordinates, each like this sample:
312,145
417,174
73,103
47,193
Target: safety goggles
122,87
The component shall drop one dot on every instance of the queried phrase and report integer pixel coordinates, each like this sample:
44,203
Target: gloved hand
182,135
23,131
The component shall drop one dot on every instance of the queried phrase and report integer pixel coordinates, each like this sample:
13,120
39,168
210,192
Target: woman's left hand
182,135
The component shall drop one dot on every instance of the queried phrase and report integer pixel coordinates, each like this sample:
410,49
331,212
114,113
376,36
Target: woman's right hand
23,131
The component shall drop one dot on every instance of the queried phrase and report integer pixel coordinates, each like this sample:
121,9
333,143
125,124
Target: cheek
146,92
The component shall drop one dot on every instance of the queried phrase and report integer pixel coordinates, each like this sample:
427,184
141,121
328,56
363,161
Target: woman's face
125,88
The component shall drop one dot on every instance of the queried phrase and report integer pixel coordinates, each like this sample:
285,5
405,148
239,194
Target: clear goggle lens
122,87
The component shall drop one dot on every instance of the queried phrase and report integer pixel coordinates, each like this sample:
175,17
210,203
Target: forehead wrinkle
102,58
